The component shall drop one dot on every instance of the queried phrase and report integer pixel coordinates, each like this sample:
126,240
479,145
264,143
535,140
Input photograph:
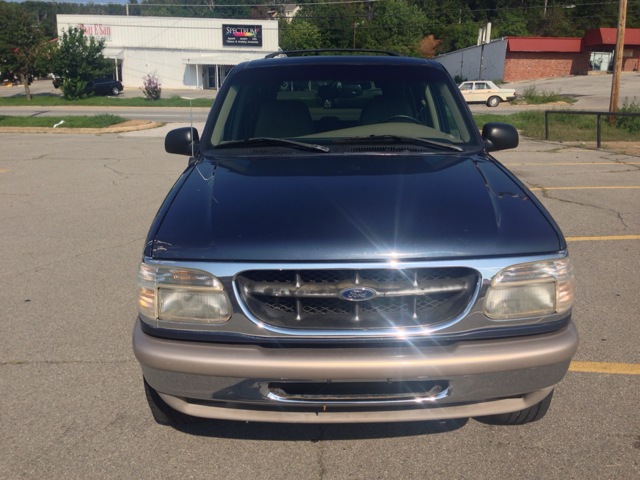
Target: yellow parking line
607,237
605,367
2,171
575,163
579,188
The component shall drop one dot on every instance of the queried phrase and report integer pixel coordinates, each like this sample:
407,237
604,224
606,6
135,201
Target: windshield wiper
258,141
399,139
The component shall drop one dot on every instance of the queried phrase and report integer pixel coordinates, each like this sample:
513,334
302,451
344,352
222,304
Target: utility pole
617,65
127,7
355,26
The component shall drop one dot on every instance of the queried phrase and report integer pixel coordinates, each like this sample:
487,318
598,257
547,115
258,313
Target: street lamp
355,25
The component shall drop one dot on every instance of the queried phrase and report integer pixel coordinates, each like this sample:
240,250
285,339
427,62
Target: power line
480,22
372,27
242,5
462,11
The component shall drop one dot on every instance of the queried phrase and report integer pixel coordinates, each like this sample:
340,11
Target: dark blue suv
367,262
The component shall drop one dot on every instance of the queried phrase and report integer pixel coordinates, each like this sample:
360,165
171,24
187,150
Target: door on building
211,74
601,61
223,71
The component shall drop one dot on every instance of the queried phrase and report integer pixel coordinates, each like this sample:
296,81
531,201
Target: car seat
282,119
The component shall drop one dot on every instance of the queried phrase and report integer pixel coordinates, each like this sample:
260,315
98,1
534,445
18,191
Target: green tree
395,25
23,46
299,35
78,60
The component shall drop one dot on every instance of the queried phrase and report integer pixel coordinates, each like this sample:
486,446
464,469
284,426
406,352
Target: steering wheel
400,117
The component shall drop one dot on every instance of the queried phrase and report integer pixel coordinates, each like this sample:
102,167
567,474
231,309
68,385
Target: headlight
531,290
175,294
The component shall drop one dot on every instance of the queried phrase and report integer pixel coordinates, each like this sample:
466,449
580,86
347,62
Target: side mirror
499,136
179,141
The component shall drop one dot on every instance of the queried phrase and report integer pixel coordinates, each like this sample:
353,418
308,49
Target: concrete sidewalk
45,88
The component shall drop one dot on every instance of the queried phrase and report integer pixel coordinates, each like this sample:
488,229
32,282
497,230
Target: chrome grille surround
465,325
310,299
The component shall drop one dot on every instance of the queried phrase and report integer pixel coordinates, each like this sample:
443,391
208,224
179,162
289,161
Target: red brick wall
531,65
629,63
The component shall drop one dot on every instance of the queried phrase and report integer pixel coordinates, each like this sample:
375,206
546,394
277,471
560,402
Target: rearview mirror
179,141
499,136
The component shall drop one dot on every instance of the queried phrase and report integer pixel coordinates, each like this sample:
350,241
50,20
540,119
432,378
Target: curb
112,129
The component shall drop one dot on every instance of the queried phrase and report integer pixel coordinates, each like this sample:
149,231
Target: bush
631,124
78,60
534,96
151,86
459,79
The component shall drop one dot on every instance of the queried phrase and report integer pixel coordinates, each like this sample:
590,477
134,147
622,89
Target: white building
190,53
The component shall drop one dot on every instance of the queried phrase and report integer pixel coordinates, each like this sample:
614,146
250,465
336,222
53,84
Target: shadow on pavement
293,432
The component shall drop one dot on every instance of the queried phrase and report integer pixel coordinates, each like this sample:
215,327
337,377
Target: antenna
190,108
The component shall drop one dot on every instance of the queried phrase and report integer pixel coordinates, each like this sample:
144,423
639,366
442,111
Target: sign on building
97,30
242,35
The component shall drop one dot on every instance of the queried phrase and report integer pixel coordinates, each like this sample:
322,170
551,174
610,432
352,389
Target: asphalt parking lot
75,210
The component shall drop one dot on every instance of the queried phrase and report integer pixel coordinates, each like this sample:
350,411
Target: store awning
224,59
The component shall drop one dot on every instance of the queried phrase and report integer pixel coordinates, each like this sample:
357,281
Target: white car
486,92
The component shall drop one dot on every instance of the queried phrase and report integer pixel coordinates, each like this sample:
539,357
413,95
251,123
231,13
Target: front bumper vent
311,299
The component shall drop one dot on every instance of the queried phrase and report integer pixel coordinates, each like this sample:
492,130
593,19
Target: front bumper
483,377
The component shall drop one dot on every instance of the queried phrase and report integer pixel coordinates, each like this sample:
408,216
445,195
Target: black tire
528,415
493,101
163,413
115,91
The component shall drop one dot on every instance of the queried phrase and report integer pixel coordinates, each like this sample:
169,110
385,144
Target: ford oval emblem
357,294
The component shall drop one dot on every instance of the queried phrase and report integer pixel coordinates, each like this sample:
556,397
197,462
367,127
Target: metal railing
586,112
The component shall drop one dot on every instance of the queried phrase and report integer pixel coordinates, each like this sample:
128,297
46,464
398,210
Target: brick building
529,58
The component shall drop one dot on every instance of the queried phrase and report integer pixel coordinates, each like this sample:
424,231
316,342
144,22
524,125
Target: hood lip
390,262
214,156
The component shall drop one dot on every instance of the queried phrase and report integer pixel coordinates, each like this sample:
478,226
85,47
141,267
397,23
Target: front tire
115,91
163,413
493,101
528,415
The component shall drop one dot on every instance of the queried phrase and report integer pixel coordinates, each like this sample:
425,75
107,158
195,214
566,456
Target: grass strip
70,121
533,96
580,128
55,101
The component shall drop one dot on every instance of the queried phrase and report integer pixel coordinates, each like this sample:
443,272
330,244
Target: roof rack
319,50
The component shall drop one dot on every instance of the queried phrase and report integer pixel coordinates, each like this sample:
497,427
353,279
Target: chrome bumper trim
494,407
435,394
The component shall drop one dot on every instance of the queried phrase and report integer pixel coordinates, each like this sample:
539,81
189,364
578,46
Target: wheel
493,101
528,415
163,413
115,91
400,117
328,103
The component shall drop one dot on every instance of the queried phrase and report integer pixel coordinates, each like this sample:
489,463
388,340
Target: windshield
322,104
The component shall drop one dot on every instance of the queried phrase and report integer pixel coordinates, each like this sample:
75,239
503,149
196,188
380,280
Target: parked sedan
486,92
100,86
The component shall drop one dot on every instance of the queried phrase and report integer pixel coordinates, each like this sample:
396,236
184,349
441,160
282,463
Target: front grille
310,299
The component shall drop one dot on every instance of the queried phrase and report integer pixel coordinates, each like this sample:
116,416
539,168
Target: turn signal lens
183,295
531,289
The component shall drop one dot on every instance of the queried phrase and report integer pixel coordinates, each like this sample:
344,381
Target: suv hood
355,207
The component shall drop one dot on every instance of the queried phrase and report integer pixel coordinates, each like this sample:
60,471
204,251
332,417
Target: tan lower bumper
433,412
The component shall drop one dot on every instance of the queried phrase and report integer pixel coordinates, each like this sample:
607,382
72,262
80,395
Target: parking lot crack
320,453
66,362
102,249
546,194
115,171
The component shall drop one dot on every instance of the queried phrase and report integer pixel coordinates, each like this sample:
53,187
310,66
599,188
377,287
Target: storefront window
601,61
